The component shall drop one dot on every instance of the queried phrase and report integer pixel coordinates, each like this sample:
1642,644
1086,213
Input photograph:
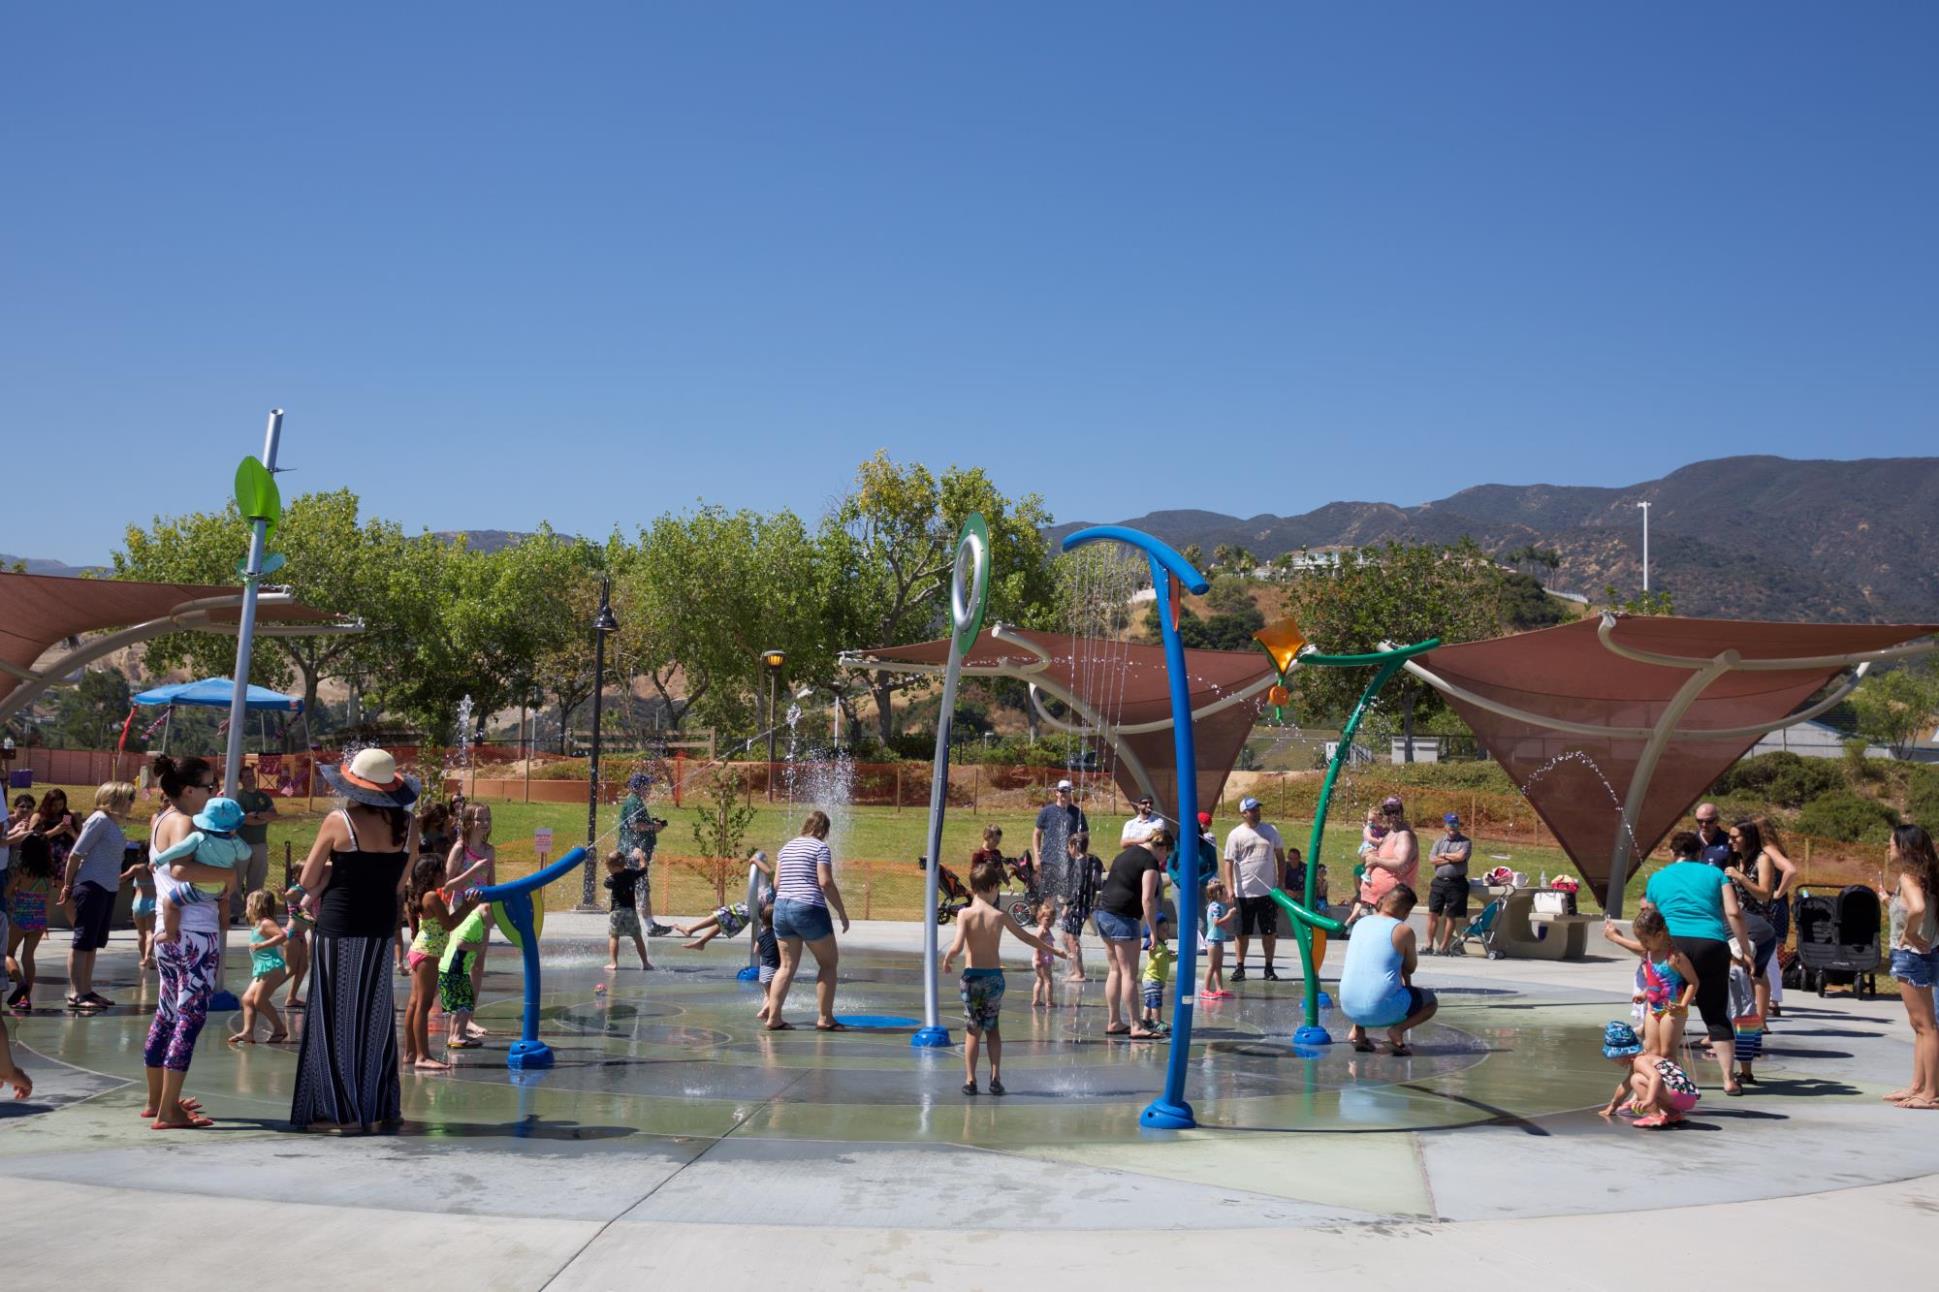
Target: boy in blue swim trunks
979,935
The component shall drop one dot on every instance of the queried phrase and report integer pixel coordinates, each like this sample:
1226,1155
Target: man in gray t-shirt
1057,821
1447,897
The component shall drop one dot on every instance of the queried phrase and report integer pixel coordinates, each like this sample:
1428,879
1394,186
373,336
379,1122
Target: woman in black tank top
346,1071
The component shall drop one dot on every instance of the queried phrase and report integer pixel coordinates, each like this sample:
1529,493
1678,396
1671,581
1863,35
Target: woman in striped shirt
804,893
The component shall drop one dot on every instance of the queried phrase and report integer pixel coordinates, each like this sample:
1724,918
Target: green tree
1658,602
519,621
1229,595
1526,606
89,714
890,549
1402,592
705,594
1897,707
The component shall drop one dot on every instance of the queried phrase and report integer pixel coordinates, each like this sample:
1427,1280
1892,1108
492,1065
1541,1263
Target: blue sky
590,262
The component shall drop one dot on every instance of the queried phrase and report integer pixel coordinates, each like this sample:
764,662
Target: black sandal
969,1088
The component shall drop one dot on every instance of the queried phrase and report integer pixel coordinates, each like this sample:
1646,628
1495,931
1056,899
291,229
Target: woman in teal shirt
1699,905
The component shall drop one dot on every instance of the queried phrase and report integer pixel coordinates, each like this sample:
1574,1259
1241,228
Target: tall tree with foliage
706,593
337,562
1402,592
1899,706
89,714
515,615
891,548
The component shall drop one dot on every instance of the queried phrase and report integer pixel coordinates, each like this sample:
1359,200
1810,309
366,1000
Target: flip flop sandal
1364,1046
1117,1031
832,1027
277,1038
97,1000
1402,1051
781,1027
1141,1036
196,1121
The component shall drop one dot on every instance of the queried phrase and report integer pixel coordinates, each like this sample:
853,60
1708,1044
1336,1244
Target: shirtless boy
979,935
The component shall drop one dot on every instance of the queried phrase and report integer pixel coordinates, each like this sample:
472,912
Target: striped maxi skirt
346,1071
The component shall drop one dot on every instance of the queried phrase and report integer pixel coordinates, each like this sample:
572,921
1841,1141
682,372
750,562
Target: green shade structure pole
1305,919
969,594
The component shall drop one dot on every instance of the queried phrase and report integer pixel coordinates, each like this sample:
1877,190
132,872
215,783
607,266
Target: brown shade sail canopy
39,611
1120,689
1590,712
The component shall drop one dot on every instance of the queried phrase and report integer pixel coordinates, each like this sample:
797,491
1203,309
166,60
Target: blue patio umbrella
216,692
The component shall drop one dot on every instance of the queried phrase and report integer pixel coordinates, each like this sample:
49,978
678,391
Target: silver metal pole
938,798
246,630
1645,507
754,919
252,575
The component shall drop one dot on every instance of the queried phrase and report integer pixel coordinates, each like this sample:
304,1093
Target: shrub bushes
1922,796
1782,779
1849,817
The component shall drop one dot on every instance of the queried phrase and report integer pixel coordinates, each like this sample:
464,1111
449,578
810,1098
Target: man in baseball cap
1447,896
1254,859
1057,821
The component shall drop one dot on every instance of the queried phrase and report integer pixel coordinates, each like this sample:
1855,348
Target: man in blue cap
1447,896
1254,859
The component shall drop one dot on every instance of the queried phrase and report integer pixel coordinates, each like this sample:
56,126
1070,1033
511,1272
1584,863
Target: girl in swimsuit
1666,981
474,862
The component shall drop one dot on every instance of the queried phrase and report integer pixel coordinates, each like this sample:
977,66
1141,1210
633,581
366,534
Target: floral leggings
187,970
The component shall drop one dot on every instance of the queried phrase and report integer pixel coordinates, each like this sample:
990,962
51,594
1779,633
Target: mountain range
35,565
1742,537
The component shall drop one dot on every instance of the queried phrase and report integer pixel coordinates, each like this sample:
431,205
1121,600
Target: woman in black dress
346,1072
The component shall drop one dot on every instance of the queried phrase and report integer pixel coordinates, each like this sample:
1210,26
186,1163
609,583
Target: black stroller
1838,940
952,895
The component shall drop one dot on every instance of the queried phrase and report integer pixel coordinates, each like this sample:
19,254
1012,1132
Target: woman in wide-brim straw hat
346,1072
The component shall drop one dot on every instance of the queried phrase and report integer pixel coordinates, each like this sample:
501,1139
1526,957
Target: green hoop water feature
1305,919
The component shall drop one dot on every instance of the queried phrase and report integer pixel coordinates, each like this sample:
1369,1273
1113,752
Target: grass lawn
875,847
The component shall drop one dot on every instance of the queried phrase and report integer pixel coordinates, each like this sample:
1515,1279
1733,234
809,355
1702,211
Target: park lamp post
772,661
603,625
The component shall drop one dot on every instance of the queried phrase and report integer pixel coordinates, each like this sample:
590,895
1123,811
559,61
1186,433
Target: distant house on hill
1811,740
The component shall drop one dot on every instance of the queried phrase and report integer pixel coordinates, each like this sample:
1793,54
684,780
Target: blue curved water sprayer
514,900
1170,1111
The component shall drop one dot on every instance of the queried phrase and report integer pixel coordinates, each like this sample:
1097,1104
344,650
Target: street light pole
1645,507
772,660
603,623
